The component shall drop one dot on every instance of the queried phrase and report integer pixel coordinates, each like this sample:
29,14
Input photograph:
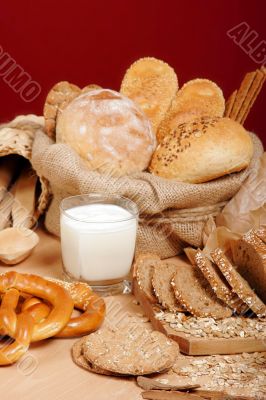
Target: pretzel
58,297
85,300
24,331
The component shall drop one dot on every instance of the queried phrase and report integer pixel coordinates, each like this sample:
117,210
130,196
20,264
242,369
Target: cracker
196,295
219,284
161,282
241,94
152,84
230,104
249,96
81,361
57,99
143,270
196,98
239,285
132,350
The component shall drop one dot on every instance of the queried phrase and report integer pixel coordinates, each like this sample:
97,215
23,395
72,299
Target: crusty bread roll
109,131
203,150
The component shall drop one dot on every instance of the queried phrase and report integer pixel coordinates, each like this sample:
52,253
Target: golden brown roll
203,150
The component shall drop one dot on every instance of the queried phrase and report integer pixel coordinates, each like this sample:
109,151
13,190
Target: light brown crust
61,94
196,295
133,350
143,270
261,234
161,281
217,146
229,104
219,284
241,95
239,285
196,98
152,84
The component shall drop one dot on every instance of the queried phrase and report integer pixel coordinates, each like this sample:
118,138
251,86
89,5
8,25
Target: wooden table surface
47,370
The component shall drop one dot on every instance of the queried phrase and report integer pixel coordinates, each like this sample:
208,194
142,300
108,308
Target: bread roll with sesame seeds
203,150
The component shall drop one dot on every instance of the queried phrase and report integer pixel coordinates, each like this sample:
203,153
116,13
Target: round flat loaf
219,284
203,150
109,132
195,294
161,282
239,285
133,350
152,84
196,98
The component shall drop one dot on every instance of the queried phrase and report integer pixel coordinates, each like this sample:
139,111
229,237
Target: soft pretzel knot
45,312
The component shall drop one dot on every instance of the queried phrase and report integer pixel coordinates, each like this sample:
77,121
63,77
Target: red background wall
86,42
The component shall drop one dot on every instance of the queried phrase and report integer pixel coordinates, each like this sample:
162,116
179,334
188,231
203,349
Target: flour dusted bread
152,84
109,131
196,295
249,254
203,150
196,98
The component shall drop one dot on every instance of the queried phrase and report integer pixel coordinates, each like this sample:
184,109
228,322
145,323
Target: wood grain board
197,346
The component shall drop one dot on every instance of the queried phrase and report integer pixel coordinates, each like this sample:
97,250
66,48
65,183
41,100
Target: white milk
101,248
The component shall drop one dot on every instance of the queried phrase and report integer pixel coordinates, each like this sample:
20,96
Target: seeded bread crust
219,284
161,282
196,295
143,270
133,350
261,234
249,254
239,285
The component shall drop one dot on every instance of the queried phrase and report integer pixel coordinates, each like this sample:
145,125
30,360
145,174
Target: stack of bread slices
216,286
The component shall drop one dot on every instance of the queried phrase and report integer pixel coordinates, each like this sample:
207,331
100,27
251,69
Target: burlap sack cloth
172,214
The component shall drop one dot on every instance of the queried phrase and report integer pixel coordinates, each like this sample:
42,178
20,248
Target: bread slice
219,284
161,282
239,285
142,270
261,234
196,295
249,254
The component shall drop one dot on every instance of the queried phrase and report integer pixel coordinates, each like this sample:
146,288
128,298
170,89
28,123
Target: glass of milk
98,237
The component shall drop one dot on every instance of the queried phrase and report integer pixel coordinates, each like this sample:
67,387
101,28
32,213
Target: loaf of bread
203,150
109,131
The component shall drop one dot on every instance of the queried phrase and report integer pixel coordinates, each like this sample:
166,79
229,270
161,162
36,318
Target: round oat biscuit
81,361
133,350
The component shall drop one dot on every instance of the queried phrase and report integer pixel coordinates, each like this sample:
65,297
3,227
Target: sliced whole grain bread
249,256
142,270
196,295
261,234
161,282
133,350
239,285
219,284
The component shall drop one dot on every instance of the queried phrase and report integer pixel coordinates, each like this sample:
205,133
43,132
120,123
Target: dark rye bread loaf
219,284
239,285
196,295
161,282
249,254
